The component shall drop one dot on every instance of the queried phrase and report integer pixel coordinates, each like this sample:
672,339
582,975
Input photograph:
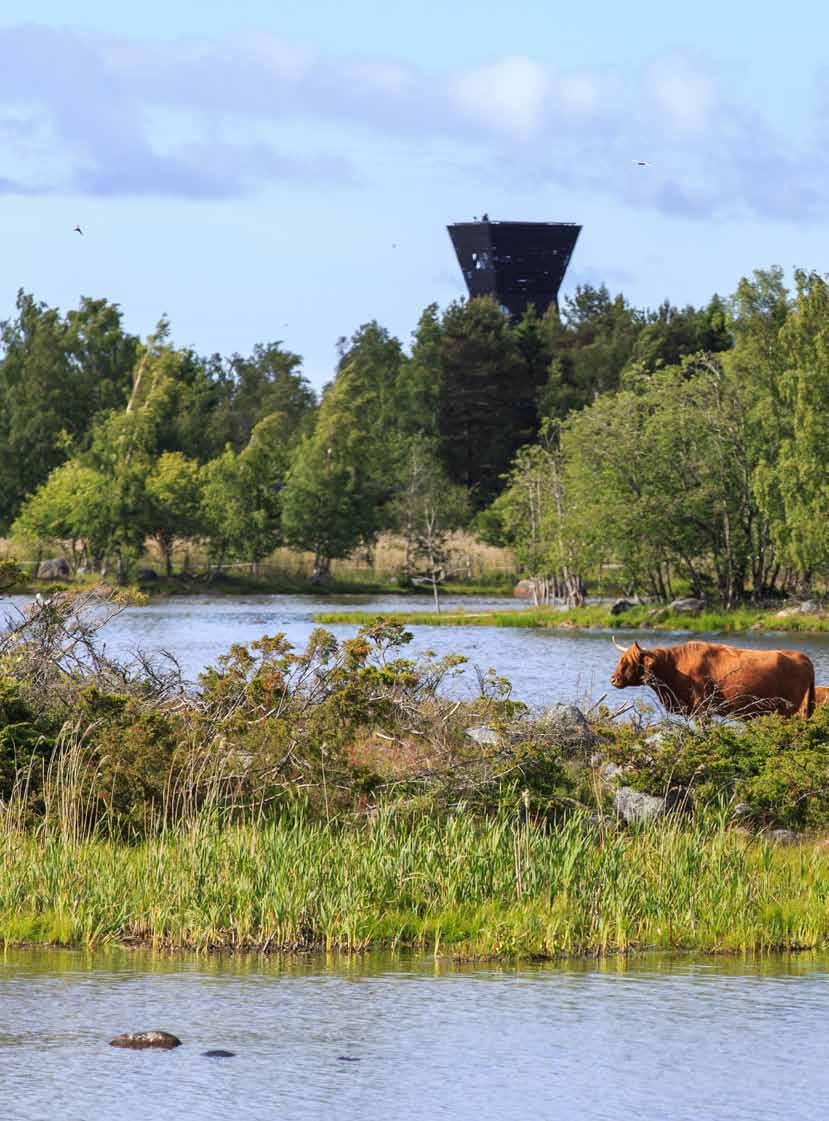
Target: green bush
779,767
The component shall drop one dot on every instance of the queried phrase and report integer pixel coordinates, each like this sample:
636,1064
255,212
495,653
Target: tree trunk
322,569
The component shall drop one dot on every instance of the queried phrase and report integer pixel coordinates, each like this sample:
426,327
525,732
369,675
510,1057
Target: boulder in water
142,1040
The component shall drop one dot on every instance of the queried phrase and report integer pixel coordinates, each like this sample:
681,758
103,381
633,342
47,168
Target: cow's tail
807,706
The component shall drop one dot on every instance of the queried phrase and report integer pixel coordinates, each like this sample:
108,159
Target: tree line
679,445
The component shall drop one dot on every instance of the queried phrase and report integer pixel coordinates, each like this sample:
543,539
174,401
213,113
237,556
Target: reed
462,884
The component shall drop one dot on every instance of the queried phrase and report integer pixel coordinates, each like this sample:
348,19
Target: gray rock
635,807
809,607
611,772
621,606
689,605
784,837
142,1040
56,568
524,589
741,811
568,726
483,735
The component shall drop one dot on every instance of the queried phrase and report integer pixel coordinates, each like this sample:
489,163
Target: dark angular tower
519,263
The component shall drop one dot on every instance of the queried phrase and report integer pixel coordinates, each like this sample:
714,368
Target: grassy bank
463,885
646,617
273,583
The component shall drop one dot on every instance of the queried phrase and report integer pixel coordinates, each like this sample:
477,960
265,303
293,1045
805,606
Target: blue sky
263,171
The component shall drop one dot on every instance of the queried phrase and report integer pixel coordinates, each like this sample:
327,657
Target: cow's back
746,681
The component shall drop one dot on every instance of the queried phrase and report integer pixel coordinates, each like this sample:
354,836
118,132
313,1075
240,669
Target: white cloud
511,94
687,95
207,118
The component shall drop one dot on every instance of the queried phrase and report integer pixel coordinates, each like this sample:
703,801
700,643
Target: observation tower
519,263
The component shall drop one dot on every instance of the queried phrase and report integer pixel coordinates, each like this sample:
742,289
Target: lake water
543,665
657,1039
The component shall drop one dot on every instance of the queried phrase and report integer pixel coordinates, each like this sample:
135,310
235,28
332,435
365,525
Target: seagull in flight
642,163
78,230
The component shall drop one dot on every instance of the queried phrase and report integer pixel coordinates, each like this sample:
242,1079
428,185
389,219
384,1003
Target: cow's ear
648,657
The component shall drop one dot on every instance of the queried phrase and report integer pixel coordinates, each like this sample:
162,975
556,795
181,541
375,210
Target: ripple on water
663,1038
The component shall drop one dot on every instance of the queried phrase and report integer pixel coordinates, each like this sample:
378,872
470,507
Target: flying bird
642,163
78,230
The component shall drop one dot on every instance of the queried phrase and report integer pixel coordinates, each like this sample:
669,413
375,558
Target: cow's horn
624,649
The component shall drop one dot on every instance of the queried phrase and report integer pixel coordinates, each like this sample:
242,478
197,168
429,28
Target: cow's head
631,667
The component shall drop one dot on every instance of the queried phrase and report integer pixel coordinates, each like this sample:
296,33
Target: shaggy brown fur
707,677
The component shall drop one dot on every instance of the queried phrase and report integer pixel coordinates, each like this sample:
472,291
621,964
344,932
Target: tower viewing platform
519,263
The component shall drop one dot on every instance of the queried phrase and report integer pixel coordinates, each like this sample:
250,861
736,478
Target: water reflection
652,1037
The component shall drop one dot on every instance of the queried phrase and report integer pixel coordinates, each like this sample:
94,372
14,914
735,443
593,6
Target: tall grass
739,620
462,884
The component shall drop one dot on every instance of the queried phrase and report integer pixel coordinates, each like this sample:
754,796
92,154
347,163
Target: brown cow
707,677
821,695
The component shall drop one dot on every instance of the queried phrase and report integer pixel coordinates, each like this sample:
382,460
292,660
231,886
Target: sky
264,171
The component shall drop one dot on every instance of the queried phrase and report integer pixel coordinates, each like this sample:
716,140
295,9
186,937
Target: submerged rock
218,1053
141,1040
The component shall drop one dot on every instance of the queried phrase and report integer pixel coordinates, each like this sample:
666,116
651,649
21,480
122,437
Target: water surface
663,1039
543,665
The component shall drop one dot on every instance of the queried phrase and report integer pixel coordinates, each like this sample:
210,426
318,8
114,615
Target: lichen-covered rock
784,837
634,807
142,1040
568,726
483,735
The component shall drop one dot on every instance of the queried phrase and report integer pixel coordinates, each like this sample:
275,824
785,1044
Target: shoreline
176,587
598,618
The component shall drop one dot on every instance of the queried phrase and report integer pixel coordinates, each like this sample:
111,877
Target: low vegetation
336,797
598,616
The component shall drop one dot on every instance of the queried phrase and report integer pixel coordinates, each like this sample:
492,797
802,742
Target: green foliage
173,494
483,395
56,375
336,484
779,768
425,512
27,738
